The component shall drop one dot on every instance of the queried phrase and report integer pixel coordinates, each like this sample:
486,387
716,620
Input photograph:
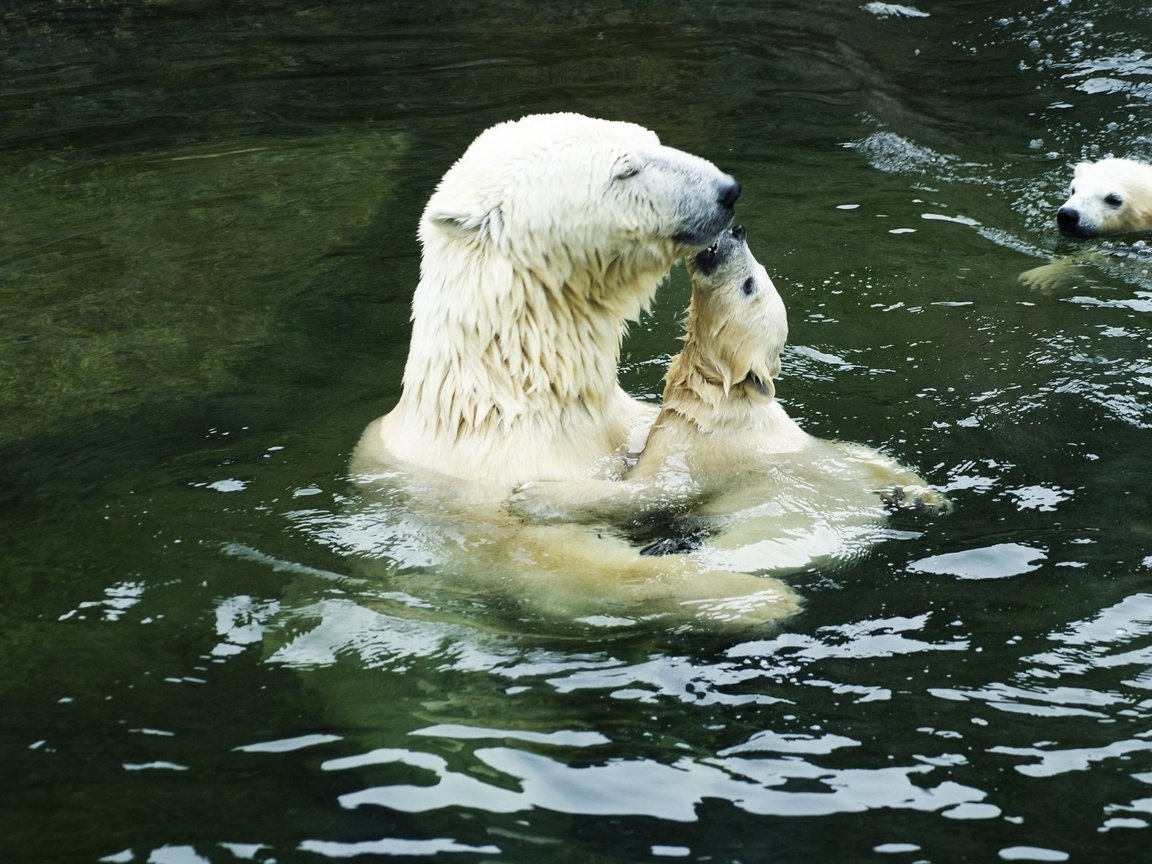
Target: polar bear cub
544,239
1109,197
724,453
1112,196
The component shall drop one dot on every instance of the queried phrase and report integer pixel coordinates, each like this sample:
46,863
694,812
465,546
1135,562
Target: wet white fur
539,245
723,447
1129,181
1109,197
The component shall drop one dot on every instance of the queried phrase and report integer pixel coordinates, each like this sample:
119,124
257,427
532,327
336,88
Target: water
209,213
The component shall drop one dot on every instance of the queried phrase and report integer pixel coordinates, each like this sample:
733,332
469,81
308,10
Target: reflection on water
208,251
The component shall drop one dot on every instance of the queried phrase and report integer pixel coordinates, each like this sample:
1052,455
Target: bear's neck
695,389
514,351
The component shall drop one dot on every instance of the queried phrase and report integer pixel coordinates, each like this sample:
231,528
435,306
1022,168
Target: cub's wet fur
748,487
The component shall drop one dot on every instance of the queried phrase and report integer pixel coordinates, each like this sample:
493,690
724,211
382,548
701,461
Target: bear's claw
919,499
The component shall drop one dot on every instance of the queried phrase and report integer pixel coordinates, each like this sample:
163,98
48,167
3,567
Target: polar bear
723,453
1109,197
544,239
547,236
1112,196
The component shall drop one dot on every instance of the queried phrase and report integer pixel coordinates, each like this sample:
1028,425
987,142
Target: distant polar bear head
567,197
1112,196
737,324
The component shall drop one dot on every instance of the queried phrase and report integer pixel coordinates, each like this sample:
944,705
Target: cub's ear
1081,168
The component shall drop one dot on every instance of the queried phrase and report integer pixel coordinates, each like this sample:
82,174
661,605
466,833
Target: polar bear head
1112,196
583,205
737,324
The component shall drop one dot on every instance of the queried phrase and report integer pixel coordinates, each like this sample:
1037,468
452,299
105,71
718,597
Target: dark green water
208,218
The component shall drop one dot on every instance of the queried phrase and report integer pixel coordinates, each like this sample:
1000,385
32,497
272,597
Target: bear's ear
1081,168
470,224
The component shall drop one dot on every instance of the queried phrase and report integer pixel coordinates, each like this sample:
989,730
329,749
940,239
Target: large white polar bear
547,236
539,245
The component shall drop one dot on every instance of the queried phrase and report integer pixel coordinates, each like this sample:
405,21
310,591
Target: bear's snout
710,259
728,192
1068,218
706,260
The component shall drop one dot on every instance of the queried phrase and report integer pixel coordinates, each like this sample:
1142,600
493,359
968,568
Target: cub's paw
1060,274
919,499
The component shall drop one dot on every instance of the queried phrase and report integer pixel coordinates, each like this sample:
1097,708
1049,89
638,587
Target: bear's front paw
920,499
1043,278
537,501
1060,274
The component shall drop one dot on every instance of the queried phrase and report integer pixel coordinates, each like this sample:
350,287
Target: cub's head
573,199
1112,196
737,324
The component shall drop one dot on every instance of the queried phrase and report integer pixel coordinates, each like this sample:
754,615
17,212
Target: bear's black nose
1067,217
738,232
728,193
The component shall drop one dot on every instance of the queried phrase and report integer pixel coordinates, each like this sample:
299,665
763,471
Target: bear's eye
1113,200
749,287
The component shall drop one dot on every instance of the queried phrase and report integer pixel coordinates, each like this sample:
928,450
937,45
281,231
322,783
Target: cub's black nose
1067,217
738,232
728,193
